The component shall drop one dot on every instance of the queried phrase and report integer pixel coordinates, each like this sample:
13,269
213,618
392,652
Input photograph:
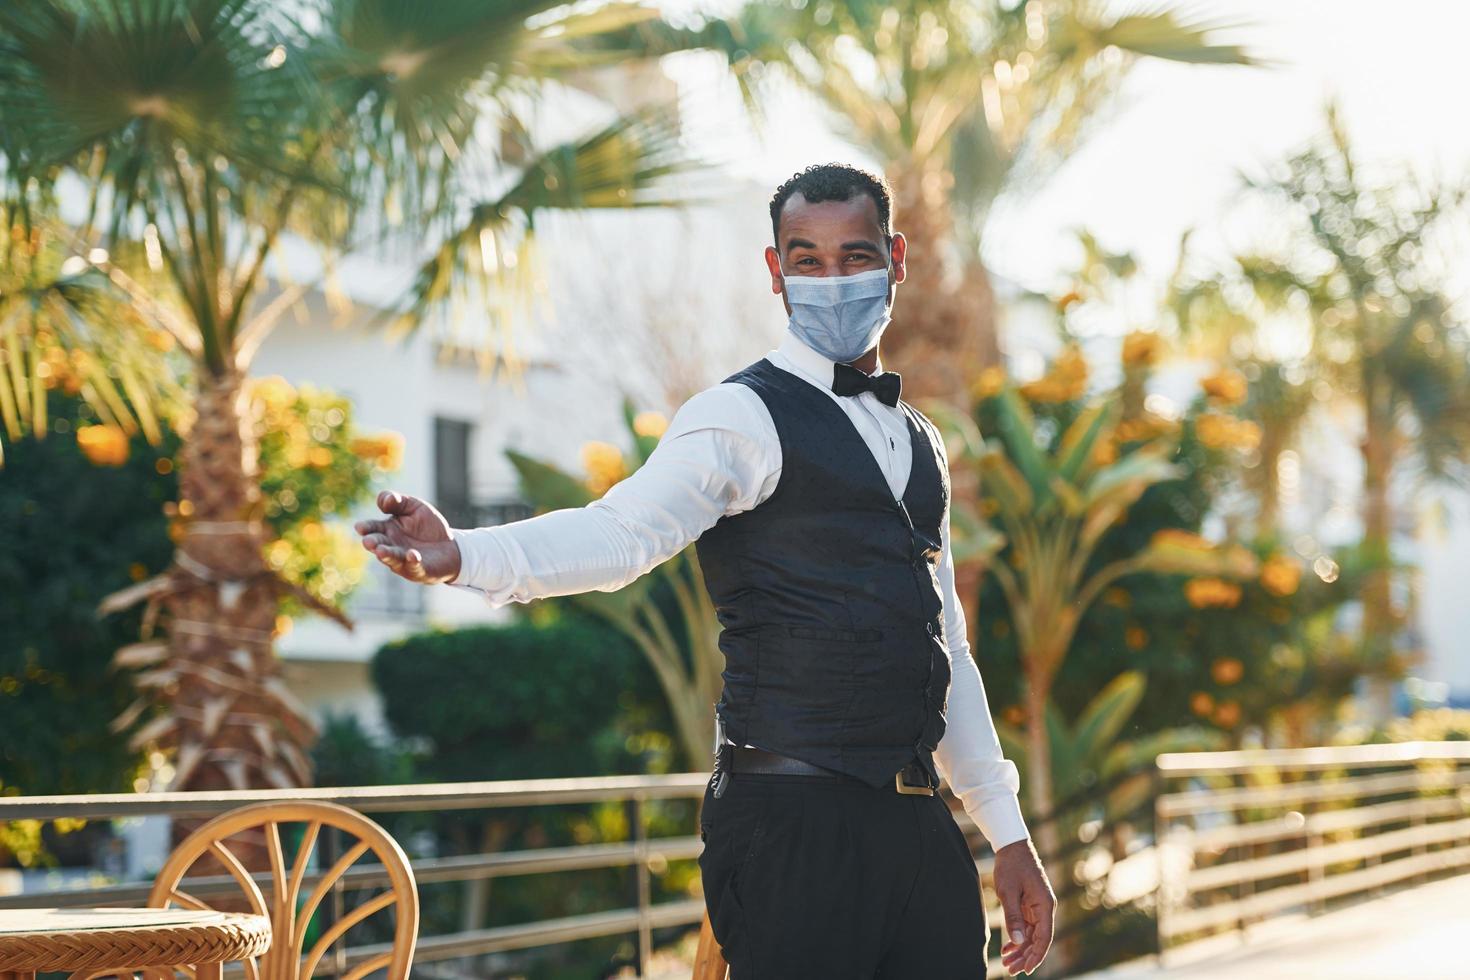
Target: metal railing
640,854
1243,836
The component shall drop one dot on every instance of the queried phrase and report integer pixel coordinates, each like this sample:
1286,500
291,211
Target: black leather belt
911,779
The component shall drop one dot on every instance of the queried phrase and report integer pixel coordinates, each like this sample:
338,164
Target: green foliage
85,529
347,754
1091,750
314,464
334,121
552,695
1223,666
74,532
531,700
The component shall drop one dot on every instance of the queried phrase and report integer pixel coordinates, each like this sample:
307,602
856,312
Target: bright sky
1169,160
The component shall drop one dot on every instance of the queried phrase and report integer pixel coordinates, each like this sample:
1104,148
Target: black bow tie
848,380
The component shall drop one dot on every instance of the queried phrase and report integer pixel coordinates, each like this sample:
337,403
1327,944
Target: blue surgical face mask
839,317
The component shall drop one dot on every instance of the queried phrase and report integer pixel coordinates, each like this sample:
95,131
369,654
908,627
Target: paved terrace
1423,933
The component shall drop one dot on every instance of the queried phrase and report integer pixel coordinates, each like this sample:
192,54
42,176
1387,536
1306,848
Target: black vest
832,615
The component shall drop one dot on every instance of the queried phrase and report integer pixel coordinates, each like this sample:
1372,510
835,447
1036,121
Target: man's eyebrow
851,246
797,243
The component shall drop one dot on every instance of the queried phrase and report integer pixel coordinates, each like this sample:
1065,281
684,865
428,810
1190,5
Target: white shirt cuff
999,819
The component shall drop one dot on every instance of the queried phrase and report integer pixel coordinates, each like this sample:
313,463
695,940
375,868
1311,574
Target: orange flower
1201,703
1136,637
1218,431
1280,576
1226,386
650,424
1065,381
160,340
1203,593
1227,671
1179,538
275,391
1013,715
1142,348
604,464
989,384
384,450
1117,596
1143,427
1227,714
103,445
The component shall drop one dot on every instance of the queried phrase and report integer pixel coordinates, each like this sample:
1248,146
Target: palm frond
624,165
64,322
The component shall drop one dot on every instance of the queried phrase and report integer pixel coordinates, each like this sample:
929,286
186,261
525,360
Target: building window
452,471
452,494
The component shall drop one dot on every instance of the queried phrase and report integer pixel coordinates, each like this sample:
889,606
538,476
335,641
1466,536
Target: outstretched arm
716,458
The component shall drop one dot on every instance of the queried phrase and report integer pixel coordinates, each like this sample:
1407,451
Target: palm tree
1052,507
1358,281
960,102
194,137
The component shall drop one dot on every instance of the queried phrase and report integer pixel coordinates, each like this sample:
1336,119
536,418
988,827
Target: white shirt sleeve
720,455
969,755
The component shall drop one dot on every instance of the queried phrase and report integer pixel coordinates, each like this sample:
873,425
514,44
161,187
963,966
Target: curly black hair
833,182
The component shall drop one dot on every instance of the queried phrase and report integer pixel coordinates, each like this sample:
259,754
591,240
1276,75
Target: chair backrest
256,828
709,959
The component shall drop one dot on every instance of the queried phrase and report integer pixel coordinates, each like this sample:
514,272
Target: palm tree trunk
943,331
1380,621
228,718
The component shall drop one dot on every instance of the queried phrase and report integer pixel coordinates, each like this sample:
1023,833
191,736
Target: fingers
371,527
1015,948
1043,913
400,505
407,562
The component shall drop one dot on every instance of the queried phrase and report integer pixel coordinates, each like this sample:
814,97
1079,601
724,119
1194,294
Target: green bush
551,695
74,531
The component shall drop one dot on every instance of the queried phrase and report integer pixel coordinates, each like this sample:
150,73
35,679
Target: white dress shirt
721,455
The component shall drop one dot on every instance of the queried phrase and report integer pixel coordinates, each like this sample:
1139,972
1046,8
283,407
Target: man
820,504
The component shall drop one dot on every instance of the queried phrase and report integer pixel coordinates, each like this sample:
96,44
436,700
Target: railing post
642,887
1417,821
1161,899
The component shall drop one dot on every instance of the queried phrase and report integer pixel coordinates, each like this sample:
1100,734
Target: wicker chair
259,826
709,961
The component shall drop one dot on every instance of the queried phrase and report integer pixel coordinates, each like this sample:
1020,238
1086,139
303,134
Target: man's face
832,238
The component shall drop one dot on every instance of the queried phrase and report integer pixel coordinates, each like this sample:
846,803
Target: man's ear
773,263
897,249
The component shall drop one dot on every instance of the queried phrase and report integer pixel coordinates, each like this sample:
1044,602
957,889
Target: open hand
413,541
1030,907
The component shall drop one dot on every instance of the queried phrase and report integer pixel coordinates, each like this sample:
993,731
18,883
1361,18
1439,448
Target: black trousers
811,878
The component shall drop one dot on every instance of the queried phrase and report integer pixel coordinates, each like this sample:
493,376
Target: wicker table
101,942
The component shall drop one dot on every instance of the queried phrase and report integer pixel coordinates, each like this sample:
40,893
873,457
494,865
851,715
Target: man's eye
808,260
859,257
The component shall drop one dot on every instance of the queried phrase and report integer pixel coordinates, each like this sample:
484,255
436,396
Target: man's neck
868,363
